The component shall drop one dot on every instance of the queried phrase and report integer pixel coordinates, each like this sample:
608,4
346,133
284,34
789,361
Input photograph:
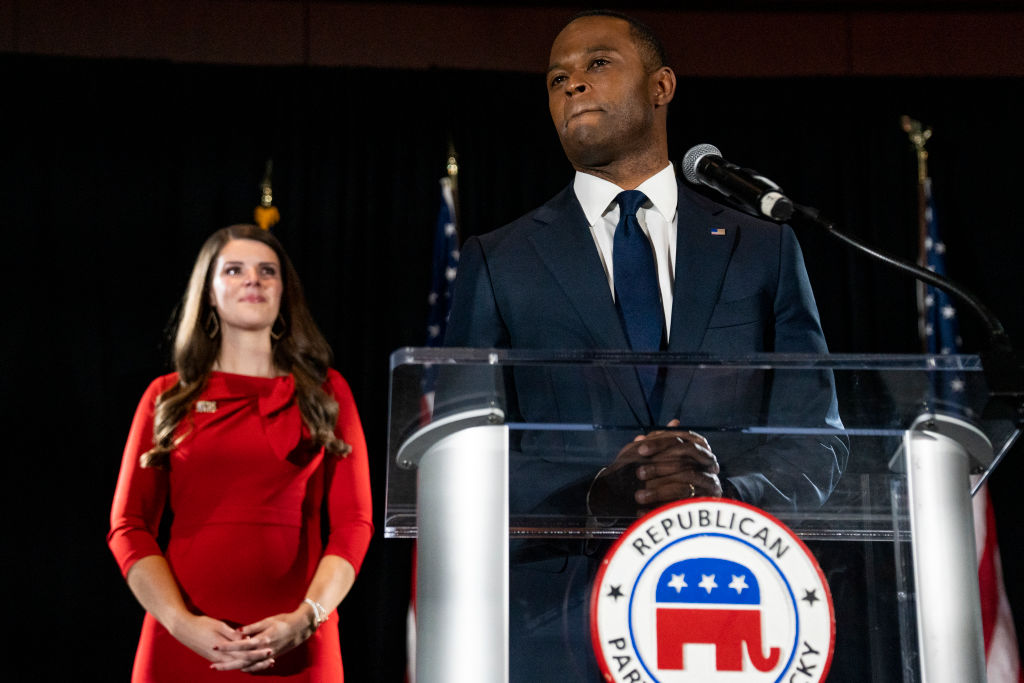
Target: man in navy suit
727,283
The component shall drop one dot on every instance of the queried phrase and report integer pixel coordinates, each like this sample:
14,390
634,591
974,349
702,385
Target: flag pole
919,137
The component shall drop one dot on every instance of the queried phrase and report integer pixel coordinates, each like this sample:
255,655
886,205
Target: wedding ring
693,491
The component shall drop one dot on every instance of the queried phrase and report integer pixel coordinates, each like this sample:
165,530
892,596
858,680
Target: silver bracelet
319,613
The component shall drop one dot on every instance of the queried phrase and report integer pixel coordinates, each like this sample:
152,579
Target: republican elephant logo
710,601
710,590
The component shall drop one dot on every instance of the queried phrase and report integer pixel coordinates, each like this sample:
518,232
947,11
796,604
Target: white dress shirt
657,218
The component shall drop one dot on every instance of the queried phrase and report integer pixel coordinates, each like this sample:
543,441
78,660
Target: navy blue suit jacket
538,283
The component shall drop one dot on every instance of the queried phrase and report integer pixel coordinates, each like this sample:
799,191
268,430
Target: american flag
446,261
939,327
445,264
940,334
937,321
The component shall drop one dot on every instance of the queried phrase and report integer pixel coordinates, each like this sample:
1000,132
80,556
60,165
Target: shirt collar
596,195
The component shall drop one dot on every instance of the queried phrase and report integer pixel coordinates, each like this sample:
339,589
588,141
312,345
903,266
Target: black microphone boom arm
1003,371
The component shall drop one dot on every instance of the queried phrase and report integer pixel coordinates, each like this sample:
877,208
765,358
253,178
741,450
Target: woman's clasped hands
251,648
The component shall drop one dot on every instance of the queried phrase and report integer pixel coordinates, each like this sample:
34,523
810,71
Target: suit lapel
702,259
565,246
704,248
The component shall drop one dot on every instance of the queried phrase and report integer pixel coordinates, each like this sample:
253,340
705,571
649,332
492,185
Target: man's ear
663,84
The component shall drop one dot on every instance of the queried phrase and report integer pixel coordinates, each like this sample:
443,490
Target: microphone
703,164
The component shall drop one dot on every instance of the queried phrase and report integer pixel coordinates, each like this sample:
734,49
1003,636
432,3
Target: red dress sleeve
141,492
349,505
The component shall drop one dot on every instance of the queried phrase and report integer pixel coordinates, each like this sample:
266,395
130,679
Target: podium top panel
804,436
421,355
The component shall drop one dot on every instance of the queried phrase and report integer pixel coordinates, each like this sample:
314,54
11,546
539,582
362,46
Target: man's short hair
652,51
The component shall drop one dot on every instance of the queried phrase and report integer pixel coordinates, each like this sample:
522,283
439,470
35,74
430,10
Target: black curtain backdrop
112,173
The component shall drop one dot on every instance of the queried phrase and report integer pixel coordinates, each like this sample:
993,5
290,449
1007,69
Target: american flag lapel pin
718,232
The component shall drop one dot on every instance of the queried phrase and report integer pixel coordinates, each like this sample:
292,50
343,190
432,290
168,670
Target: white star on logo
948,312
738,583
449,274
957,385
707,582
449,229
929,300
677,582
434,330
432,299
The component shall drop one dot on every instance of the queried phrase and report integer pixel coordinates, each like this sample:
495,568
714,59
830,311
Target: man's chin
587,149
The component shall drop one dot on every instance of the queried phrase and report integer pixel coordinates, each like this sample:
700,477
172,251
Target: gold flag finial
919,136
452,166
266,214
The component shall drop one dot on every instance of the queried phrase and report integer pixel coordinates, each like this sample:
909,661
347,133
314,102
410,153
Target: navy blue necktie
636,280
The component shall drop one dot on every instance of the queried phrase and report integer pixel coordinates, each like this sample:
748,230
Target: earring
212,325
275,335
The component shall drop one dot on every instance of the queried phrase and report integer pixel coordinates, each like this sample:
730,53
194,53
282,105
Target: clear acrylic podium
870,459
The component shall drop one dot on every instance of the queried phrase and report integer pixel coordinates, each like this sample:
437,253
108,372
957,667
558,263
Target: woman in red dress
247,444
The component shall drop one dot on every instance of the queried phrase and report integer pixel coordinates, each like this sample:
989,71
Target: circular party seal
711,590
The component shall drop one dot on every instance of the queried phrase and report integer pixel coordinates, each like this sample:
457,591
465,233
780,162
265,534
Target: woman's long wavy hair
301,350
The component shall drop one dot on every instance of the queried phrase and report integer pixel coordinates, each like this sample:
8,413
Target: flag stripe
986,567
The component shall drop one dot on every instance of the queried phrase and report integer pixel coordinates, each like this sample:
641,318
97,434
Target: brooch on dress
206,406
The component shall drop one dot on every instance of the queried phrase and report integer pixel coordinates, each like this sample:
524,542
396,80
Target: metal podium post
939,452
462,559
